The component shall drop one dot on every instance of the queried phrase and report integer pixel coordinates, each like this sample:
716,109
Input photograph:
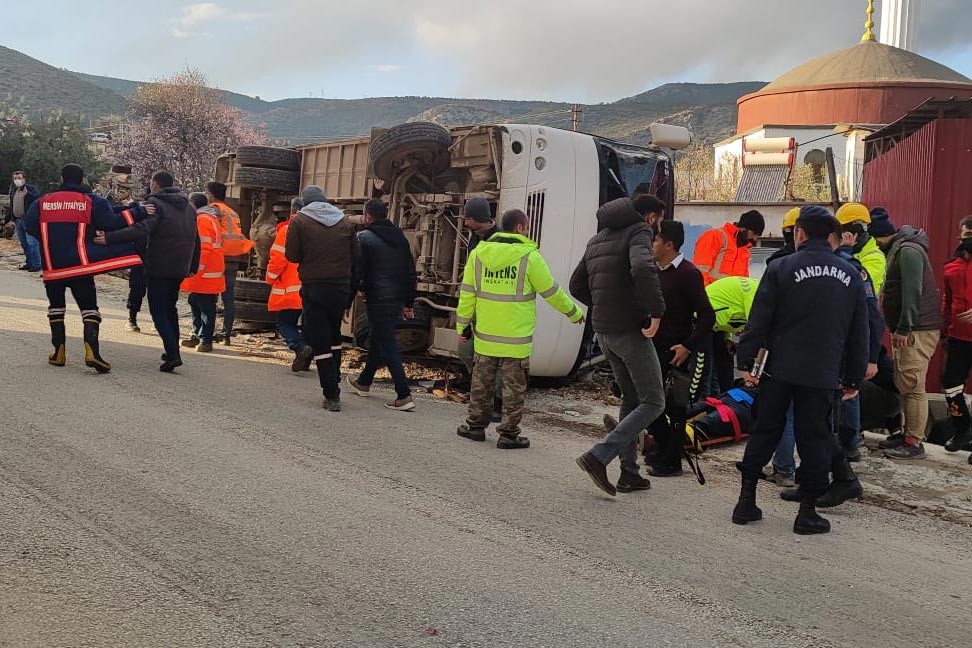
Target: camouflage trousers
515,373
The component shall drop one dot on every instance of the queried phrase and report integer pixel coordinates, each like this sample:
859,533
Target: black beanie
477,209
753,221
881,224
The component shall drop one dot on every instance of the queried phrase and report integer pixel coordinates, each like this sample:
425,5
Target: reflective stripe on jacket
234,242
874,261
499,291
717,255
731,299
282,275
210,278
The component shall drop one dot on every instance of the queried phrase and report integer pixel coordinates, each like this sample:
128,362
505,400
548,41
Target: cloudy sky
576,50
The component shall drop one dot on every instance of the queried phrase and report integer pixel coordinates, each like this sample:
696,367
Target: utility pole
575,115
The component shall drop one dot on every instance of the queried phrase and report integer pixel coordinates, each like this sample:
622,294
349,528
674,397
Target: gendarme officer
810,314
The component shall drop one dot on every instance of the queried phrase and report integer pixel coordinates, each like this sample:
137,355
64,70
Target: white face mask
19,182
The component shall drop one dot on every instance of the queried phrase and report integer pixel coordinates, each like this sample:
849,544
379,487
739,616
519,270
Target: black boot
92,351
746,510
58,357
959,422
845,486
807,521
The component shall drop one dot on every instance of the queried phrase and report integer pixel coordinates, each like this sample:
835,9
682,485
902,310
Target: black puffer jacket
169,236
618,277
387,269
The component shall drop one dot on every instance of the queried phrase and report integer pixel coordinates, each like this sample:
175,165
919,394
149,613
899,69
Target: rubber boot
845,486
58,357
959,421
746,510
807,521
92,355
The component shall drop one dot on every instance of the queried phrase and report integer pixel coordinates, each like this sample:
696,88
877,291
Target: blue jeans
229,298
203,316
638,372
288,329
383,347
163,294
783,461
848,424
30,245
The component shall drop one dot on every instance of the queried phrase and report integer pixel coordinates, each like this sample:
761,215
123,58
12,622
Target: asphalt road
221,506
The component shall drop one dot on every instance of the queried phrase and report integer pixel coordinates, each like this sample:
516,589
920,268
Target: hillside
708,109
45,89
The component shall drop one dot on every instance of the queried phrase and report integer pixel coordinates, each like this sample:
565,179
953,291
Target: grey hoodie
324,213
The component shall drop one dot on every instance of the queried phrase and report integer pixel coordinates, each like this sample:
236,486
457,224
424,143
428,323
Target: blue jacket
875,321
65,222
31,196
810,312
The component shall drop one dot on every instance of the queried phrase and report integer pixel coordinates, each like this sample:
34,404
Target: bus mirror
671,137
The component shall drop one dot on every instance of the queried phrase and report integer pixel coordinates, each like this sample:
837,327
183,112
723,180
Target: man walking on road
500,284
387,276
171,254
618,280
22,196
911,304
236,247
810,319
680,340
64,223
205,286
284,299
322,242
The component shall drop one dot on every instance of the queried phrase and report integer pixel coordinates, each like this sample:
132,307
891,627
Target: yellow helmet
853,212
789,220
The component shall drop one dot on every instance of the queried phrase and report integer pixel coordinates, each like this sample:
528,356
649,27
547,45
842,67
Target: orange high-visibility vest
282,275
234,242
717,256
210,279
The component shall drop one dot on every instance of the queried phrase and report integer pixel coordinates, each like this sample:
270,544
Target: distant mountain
709,110
47,89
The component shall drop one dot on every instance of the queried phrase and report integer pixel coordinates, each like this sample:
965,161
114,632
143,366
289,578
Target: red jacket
717,255
957,298
282,275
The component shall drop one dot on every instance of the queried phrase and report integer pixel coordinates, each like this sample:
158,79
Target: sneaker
190,342
906,451
23,267
782,480
473,434
512,443
132,327
360,390
959,441
893,441
204,347
629,483
597,472
401,405
170,364
332,404
228,339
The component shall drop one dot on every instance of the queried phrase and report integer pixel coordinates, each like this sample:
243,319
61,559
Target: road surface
221,506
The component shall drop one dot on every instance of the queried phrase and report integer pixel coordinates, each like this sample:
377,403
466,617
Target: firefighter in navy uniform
810,314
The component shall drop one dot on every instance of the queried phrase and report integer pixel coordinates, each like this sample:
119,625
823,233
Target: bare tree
698,178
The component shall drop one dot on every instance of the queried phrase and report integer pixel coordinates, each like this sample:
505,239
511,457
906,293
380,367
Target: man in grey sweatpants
618,280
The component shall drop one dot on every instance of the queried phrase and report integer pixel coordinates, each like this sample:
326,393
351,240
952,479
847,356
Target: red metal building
920,169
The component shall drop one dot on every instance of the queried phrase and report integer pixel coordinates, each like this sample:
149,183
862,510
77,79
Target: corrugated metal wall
926,182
